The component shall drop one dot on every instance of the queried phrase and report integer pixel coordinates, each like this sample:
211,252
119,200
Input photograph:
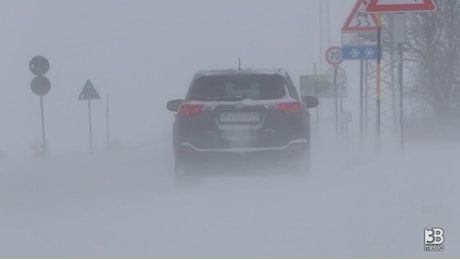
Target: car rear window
257,87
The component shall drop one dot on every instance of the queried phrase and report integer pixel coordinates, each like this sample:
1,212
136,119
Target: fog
358,199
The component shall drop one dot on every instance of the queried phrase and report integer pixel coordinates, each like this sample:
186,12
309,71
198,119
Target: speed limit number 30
334,55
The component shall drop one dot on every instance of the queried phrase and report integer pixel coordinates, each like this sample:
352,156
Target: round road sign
39,65
40,85
334,55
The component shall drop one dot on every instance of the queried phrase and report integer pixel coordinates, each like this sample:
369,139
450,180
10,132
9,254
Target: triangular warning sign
398,6
359,20
88,92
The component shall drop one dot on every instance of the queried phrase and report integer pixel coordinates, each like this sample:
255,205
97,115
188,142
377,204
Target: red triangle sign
400,6
359,20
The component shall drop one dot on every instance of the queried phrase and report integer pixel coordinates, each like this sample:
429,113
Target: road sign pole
40,86
379,75
337,133
107,122
317,108
401,104
43,126
90,127
334,57
342,123
399,35
361,99
88,93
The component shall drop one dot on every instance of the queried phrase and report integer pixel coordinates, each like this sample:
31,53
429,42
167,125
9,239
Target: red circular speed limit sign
334,55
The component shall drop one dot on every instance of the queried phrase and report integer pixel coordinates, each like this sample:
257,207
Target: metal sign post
359,42
107,122
88,93
336,91
317,108
399,8
379,77
42,113
399,35
334,57
40,86
90,127
401,95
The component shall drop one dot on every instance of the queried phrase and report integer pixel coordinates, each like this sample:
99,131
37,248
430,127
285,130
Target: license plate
240,117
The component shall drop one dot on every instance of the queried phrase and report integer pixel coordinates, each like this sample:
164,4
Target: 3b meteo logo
434,239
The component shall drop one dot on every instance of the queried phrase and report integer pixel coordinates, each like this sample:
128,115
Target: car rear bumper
234,160
297,144
292,150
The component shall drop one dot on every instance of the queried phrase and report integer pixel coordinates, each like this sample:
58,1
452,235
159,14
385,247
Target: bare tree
432,40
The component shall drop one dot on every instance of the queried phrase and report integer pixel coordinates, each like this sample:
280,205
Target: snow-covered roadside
125,204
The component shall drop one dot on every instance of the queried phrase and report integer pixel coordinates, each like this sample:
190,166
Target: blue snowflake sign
359,52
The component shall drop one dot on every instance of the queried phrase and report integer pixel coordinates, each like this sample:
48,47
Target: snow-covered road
125,205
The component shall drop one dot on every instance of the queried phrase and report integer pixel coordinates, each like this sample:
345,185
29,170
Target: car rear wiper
229,98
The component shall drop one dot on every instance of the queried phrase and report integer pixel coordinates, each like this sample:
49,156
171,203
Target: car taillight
293,107
190,109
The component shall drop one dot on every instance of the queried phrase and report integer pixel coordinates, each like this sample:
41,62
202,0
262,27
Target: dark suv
230,114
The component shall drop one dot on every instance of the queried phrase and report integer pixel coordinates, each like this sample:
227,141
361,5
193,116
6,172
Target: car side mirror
310,101
173,105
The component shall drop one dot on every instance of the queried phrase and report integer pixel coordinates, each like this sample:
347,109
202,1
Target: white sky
142,52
